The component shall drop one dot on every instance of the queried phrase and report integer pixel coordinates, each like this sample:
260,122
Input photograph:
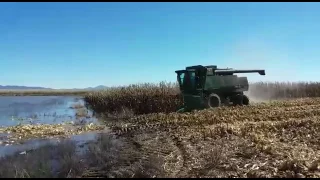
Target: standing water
39,109
15,110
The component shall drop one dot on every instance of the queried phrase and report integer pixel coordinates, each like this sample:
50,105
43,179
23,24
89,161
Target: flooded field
48,110
40,109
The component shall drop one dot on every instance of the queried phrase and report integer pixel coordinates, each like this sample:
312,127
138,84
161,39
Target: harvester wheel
214,100
245,100
238,100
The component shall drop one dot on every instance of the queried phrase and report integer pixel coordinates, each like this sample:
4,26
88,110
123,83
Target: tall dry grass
165,97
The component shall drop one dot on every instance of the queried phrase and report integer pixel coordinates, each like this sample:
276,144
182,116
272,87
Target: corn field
269,140
275,139
164,97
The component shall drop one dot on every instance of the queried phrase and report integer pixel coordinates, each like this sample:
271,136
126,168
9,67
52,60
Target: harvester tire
238,100
214,101
245,100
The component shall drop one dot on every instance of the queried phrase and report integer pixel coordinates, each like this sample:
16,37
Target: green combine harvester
209,87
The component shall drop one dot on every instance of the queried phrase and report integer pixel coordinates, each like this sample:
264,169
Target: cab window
190,80
181,78
192,76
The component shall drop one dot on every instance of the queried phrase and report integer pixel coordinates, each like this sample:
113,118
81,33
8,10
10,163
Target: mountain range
13,87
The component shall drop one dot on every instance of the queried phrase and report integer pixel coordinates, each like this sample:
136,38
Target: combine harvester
209,87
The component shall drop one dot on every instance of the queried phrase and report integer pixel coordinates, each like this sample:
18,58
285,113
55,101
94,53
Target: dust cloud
260,54
256,95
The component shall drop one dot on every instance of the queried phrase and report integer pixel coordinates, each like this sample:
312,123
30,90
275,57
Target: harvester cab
208,87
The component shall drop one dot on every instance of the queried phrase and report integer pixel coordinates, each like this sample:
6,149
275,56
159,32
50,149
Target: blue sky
76,45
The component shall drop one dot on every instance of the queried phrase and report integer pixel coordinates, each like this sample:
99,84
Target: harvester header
214,70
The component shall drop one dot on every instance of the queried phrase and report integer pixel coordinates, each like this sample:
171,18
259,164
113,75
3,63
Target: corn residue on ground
278,139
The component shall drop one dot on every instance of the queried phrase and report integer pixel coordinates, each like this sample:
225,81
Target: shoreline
43,93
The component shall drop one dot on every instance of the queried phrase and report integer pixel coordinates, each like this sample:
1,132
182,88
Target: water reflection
42,110
36,143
